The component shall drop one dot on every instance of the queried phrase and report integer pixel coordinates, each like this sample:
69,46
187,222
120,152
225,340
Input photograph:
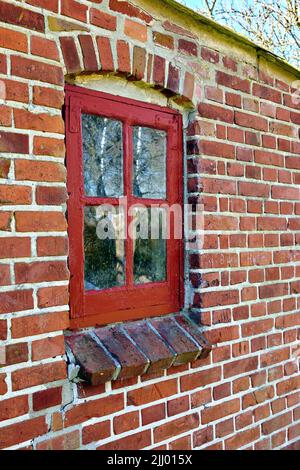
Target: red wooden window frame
90,308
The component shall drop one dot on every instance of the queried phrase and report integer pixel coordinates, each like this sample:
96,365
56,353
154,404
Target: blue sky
192,3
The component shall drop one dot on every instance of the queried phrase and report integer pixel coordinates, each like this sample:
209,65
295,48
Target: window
124,166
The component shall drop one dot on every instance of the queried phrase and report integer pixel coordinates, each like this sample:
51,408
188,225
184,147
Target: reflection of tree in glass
104,266
149,163
102,156
149,254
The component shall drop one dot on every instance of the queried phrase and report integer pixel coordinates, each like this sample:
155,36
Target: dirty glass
149,264
102,156
149,159
104,247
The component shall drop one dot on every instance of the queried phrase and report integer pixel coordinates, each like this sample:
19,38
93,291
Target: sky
192,3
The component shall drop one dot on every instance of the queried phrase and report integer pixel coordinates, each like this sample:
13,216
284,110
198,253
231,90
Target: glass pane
102,156
104,247
149,245
150,149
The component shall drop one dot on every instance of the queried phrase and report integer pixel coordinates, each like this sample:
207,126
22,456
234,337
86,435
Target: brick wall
243,164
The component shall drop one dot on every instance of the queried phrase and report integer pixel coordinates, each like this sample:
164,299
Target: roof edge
261,51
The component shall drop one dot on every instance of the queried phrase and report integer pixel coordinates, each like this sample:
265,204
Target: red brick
13,143
153,413
32,170
126,422
224,428
15,40
44,48
210,55
283,129
49,347
222,391
217,412
123,52
285,192
46,398
4,167
231,81
14,247
268,158
136,441
139,62
3,64
16,353
54,99
255,258
3,385
51,5
15,301
288,385
52,246
105,53
163,40
183,443
74,9
40,122
217,149
38,375
240,366
23,431
128,9
254,189
151,393
266,93
200,379
40,221
177,426
174,28
103,20
274,290
88,53
242,438
39,324
202,436
159,71
36,70
94,409
277,423
14,407
214,299
216,112
5,116
51,196
188,86
95,432
3,329
17,16
48,146
178,405
41,271
70,54
188,47
68,441
12,194
249,120
135,30
257,327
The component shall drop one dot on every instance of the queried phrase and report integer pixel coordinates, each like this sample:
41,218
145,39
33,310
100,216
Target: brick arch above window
85,53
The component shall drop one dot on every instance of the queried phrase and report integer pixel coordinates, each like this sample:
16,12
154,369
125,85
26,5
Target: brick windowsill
136,348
